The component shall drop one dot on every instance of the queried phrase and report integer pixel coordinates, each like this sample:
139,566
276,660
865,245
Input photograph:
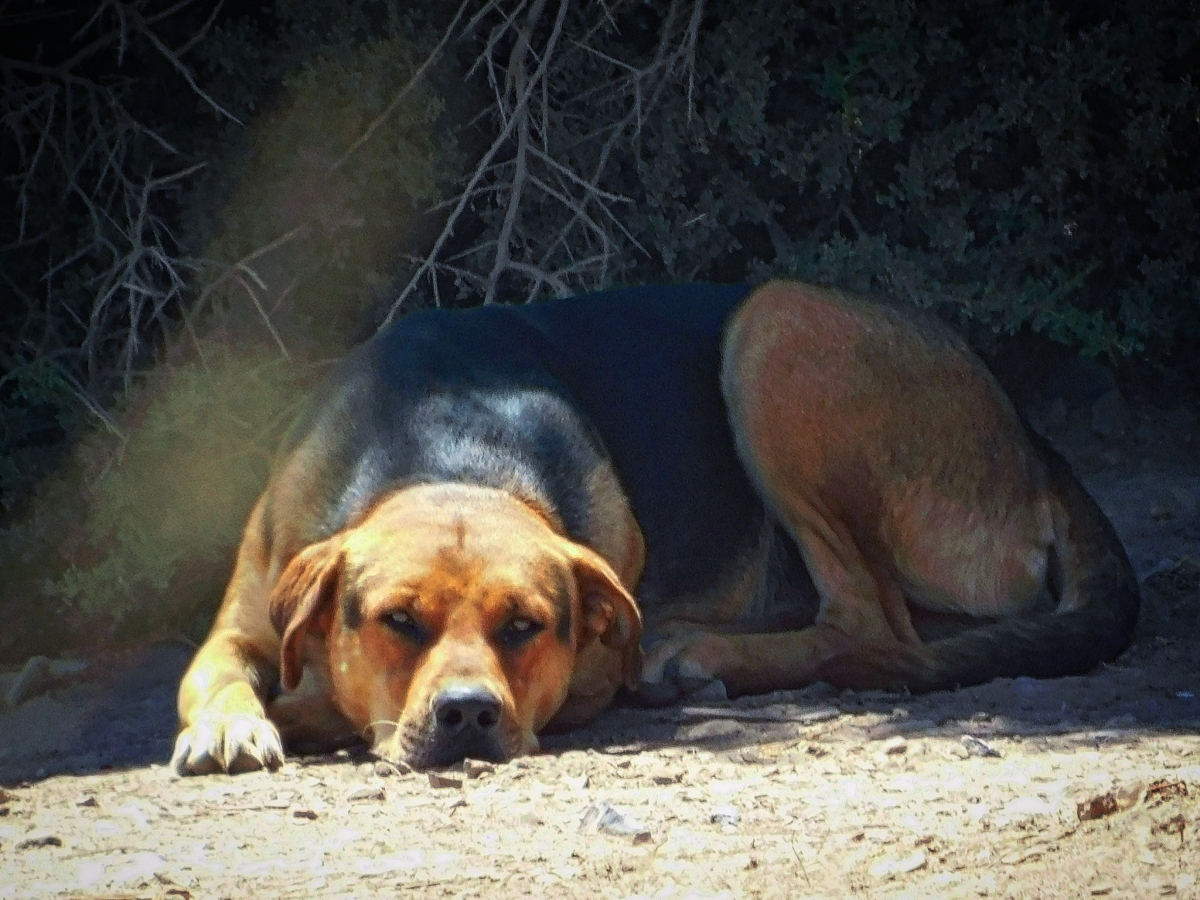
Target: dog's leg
222,717
904,474
862,614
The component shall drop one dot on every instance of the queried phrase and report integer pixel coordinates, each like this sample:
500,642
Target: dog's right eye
405,625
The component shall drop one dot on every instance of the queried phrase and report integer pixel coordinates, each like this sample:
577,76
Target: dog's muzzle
463,722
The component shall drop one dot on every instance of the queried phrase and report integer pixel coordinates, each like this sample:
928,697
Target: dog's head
456,620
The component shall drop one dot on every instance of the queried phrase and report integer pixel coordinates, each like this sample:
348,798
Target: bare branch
145,30
258,306
243,265
516,72
427,266
547,219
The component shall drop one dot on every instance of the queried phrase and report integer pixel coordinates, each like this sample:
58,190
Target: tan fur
902,471
875,438
462,560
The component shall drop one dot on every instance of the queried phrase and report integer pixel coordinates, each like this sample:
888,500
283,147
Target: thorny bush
291,177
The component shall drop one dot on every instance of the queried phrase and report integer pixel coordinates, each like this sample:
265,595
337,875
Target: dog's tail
1092,621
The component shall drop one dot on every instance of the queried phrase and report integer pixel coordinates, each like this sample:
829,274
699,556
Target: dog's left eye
518,631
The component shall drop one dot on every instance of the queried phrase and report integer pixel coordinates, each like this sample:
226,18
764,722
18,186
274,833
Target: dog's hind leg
862,611
908,481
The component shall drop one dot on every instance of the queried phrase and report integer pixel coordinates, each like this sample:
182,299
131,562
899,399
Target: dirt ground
1079,787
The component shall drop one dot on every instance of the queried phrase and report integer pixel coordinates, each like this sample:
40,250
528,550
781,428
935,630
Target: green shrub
268,256
1024,168
311,217
135,536
1015,166
1019,165
37,406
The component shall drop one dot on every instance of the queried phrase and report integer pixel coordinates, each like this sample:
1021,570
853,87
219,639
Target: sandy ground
1078,787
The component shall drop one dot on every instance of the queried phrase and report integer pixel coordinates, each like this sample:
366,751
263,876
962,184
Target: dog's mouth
438,755
427,748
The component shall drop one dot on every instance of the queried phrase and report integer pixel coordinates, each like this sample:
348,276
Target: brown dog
445,558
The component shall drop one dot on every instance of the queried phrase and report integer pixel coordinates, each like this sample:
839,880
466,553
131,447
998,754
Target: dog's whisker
369,728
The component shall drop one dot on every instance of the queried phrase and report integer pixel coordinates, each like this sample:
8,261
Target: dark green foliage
1019,166
134,533
233,194
37,406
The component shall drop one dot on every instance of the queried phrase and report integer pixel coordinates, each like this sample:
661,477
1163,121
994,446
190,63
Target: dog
484,515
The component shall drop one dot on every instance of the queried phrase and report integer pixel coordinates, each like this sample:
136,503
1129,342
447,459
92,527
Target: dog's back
534,396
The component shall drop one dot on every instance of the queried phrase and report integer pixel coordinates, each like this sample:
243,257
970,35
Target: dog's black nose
466,712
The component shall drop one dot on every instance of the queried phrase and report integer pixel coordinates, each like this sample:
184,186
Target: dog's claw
672,673
233,744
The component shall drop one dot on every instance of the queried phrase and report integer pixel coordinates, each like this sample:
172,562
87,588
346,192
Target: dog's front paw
686,665
227,743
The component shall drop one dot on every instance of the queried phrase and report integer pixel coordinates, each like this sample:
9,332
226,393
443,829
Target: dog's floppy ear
610,614
303,600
